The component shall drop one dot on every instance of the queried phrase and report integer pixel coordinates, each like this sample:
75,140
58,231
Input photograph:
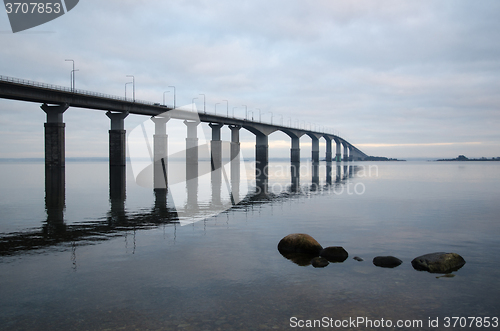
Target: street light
271,116
174,94
164,98
260,120
281,119
126,90
192,104
246,111
233,110
133,85
218,103
204,109
227,108
72,77
251,111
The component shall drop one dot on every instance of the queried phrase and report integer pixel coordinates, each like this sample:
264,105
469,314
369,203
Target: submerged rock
446,276
299,243
442,263
386,261
319,262
357,258
334,254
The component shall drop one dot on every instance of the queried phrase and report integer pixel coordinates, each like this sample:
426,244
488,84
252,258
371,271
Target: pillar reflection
117,194
55,196
295,174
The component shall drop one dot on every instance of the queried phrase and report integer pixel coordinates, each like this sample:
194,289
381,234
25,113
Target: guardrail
108,96
66,89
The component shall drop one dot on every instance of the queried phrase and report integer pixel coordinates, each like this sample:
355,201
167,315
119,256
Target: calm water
128,262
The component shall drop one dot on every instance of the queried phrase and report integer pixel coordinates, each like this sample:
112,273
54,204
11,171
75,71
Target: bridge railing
109,96
70,90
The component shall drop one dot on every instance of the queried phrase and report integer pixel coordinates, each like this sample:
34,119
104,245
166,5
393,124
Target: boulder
357,258
386,261
299,243
440,262
334,254
319,262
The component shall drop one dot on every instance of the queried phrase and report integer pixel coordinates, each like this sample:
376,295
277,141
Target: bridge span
55,100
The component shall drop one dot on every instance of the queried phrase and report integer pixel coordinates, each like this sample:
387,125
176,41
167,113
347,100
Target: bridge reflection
117,222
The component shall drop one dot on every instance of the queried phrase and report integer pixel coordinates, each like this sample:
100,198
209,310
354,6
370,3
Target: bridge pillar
192,165
350,153
216,146
295,150
216,161
235,163
235,141
315,149
192,147
346,154
295,163
315,162
117,151
328,150
328,160
338,155
160,152
261,160
54,135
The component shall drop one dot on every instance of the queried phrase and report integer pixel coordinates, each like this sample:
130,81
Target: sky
401,79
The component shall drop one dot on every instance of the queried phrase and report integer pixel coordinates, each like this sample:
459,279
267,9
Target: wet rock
443,263
334,254
386,261
299,243
319,262
446,276
357,258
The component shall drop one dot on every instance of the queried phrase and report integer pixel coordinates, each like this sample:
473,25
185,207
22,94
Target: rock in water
319,262
357,258
299,243
334,254
443,263
386,261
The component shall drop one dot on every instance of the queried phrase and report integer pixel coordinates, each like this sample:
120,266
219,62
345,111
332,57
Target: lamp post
233,110
192,104
204,109
174,94
227,108
164,98
281,119
260,119
133,85
218,103
251,111
246,111
126,90
72,77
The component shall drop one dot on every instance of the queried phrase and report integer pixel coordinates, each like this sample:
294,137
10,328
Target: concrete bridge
55,100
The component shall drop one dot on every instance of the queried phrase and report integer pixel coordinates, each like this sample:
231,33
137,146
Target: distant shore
464,158
381,158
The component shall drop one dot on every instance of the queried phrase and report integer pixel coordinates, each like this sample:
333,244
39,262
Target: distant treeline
379,158
464,158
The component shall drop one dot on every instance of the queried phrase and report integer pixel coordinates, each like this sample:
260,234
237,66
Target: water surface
129,264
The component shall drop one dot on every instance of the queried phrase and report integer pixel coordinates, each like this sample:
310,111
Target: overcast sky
396,78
